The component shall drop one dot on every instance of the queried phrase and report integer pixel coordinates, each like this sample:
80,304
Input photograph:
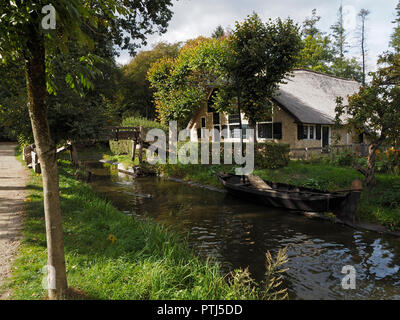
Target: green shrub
145,123
271,155
121,147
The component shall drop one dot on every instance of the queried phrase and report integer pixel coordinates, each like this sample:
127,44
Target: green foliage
321,54
376,107
73,114
219,32
345,158
77,54
375,110
271,155
260,55
113,256
134,94
252,60
348,68
124,147
388,161
395,38
316,54
145,123
339,35
181,85
310,25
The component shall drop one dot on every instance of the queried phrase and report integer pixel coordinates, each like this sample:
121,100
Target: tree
346,68
316,53
134,94
182,84
22,35
342,66
260,55
395,38
73,114
363,14
219,32
247,68
339,35
375,111
310,25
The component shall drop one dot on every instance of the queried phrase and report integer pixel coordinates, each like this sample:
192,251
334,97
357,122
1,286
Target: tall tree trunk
363,51
36,85
253,125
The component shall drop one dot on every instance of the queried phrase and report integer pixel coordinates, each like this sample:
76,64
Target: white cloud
193,18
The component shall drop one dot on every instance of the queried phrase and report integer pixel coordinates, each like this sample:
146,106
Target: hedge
266,155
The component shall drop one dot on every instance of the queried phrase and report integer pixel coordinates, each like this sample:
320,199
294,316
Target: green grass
146,261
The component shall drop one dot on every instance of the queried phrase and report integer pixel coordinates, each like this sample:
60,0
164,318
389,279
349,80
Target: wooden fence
315,152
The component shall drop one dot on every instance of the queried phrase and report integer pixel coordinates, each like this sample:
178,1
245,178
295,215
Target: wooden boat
342,203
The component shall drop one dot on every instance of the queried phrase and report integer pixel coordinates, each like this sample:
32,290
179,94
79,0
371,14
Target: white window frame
232,138
308,126
265,122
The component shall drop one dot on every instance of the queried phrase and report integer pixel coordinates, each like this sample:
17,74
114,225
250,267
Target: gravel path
12,195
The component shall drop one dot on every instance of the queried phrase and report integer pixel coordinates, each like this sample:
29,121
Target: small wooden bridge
116,133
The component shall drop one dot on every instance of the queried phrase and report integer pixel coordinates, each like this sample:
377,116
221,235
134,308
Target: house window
215,118
234,125
234,131
265,130
309,133
203,122
233,118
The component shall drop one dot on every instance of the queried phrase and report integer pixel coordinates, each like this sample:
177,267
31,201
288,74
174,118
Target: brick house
303,113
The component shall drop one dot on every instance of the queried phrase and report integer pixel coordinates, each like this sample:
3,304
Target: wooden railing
307,153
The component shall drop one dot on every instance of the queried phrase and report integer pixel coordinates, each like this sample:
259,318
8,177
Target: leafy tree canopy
247,68
375,110
395,39
134,95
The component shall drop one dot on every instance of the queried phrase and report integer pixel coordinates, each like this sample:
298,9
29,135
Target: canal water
237,234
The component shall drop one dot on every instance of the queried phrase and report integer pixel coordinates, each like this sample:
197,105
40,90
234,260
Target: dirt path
12,195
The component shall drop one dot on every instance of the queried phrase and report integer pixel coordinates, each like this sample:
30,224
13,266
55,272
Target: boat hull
293,197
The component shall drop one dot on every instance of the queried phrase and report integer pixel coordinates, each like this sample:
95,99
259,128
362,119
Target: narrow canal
237,234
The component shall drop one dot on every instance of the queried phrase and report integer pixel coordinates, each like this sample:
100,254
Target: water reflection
237,234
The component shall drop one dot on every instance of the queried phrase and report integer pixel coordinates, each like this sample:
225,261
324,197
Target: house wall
289,129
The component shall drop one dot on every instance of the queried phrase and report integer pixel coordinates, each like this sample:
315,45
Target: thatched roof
311,96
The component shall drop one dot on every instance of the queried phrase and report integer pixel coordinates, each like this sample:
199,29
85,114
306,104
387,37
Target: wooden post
35,162
141,144
134,141
74,155
27,152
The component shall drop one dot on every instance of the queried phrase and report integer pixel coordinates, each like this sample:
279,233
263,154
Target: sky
193,18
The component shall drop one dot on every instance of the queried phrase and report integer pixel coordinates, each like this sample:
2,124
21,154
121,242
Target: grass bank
110,255
379,205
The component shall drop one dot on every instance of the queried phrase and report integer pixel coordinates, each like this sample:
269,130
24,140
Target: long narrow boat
280,195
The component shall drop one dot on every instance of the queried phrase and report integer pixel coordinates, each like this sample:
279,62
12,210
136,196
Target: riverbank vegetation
111,255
